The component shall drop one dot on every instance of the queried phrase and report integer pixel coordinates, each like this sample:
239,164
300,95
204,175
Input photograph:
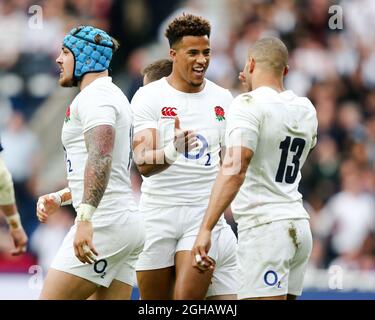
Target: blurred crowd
334,67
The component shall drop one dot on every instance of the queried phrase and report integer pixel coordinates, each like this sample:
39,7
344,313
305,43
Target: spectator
348,219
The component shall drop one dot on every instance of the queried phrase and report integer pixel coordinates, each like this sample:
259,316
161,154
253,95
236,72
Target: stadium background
335,68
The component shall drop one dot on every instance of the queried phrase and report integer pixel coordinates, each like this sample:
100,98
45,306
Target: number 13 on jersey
289,173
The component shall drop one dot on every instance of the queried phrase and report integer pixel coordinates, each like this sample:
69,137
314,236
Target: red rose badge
67,115
220,114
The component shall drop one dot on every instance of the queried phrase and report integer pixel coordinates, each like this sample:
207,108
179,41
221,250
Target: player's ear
172,54
252,65
286,70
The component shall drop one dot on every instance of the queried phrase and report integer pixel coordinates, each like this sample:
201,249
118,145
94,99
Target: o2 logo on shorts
100,266
195,156
271,279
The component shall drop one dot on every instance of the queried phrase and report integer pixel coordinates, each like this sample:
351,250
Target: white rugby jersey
188,181
100,103
282,129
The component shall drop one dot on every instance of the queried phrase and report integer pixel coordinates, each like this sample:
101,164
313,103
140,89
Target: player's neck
91,77
182,85
268,80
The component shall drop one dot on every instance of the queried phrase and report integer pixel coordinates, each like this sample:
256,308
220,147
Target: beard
195,84
67,82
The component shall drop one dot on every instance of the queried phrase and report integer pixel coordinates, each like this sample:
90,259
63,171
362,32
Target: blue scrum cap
92,49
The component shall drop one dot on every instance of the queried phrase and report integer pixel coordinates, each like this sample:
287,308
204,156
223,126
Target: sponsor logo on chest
171,112
168,112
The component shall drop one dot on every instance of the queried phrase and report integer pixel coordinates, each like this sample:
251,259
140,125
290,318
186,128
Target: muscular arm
147,157
9,207
7,200
99,143
228,182
151,160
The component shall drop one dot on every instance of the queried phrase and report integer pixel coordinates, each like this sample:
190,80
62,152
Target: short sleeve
94,112
243,123
144,115
242,137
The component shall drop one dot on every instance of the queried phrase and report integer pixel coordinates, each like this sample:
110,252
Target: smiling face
191,57
66,64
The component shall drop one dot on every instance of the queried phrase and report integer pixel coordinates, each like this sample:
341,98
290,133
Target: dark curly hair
187,25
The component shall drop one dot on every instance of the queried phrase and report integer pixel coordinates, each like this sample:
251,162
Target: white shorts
225,277
173,229
118,244
273,258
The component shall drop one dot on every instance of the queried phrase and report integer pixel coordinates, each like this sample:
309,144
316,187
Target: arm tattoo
99,143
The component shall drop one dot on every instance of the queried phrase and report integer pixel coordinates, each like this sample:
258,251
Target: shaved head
266,64
270,54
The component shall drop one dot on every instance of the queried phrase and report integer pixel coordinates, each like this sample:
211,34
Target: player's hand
47,205
184,140
83,245
20,241
202,245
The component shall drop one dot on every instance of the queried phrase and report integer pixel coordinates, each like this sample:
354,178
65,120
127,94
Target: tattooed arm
99,143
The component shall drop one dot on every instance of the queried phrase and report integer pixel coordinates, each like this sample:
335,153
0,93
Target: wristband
61,193
85,212
170,152
14,221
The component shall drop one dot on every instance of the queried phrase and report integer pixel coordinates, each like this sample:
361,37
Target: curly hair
187,25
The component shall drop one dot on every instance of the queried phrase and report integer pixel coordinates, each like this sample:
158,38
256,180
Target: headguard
92,49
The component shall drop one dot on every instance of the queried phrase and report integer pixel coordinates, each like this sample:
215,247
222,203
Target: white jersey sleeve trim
94,115
96,124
